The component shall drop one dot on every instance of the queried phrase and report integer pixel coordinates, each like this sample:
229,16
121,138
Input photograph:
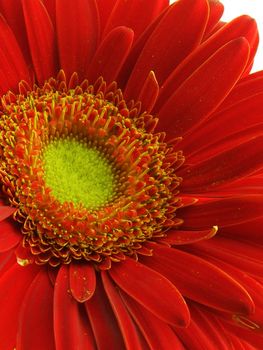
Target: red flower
131,176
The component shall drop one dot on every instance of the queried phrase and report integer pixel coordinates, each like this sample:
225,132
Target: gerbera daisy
131,177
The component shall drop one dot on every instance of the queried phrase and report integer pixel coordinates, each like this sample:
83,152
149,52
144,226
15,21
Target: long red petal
37,314
118,43
223,212
13,286
227,145
189,106
254,288
246,257
12,10
158,334
200,280
224,124
246,88
239,343
71,327
255,340
105,8
100,315
5,212
138,16
146,285
179,237
216,10
41,37
82,280
149,92
251,229
129,332
137,49
225,167
206,330
77,31
10,235
51,9
243,26
7,260
173,46
13,67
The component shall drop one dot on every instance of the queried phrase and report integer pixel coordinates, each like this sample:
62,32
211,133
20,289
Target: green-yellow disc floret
78,174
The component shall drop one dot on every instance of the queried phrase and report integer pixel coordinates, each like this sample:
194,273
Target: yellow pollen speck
22,262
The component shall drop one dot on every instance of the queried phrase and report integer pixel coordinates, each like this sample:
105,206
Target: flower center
78,174
89,178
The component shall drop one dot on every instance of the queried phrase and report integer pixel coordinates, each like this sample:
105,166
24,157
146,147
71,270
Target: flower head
131,176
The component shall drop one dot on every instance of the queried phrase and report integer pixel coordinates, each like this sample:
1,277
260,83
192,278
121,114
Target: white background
254,8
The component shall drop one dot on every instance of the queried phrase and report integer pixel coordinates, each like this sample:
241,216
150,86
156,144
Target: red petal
12,10
77,31
105,8
246,257
23,254
158,334
243,26
149,92
137,49
246,88
216,10
200,280
5,212
82,280
111,55
224,125
240,344
129,332
41,37
225,167
10,235
254,288
227,144
13,67
51,8
167,47
134,14
178,237
52,273
71,327
255,341
217,28
13,286
248,185
7,260
223,212
37,314
196,98
206,330
147,286
249,230
103,322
